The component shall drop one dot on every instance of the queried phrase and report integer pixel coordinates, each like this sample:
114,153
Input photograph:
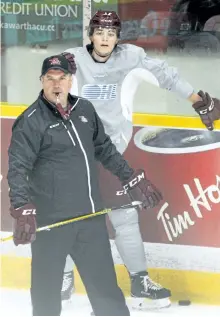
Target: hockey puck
184,302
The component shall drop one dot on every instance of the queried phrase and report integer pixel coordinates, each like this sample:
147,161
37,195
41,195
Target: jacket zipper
69,134
87,166
85,156
86,160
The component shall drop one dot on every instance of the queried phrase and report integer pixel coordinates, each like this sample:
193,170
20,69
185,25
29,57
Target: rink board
190,271
8,111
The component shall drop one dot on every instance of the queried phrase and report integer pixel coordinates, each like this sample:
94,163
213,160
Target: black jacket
53,162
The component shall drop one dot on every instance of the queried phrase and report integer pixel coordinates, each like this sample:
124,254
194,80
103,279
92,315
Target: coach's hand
24,227
139,188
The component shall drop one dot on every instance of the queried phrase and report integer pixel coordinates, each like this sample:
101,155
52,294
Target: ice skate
146,294
68,286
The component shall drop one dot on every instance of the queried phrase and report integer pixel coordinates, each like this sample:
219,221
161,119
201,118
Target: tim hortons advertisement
183,164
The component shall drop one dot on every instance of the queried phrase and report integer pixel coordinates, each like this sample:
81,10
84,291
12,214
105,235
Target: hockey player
103,66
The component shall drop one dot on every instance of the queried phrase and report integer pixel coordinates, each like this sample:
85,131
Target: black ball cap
55,62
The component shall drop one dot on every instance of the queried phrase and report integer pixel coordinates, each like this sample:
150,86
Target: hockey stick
65,222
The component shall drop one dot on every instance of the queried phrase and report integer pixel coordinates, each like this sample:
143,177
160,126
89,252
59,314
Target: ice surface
17,303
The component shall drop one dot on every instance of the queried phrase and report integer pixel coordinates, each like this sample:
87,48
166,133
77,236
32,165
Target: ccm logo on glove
131,184
139,188
28,211
24,224
208,109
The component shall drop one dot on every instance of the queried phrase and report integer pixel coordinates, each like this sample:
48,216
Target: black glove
208,109
24,229
71,59
141,189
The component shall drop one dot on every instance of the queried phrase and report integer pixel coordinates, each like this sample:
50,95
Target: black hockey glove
71,59
24,228
139,188
208,109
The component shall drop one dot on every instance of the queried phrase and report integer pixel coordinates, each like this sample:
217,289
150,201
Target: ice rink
17,303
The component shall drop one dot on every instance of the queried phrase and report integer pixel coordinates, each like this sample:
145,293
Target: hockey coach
53,154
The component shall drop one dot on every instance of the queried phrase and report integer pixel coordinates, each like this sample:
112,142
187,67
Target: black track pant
87,242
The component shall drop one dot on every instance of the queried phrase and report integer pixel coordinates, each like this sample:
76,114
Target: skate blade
149,304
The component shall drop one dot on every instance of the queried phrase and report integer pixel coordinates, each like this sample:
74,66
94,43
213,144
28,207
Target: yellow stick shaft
65,222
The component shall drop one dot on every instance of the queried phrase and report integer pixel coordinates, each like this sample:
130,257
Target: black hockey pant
88,244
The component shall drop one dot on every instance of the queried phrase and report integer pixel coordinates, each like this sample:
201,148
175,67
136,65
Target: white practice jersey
102,84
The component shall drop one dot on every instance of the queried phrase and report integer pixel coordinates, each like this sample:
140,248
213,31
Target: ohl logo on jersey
99,92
